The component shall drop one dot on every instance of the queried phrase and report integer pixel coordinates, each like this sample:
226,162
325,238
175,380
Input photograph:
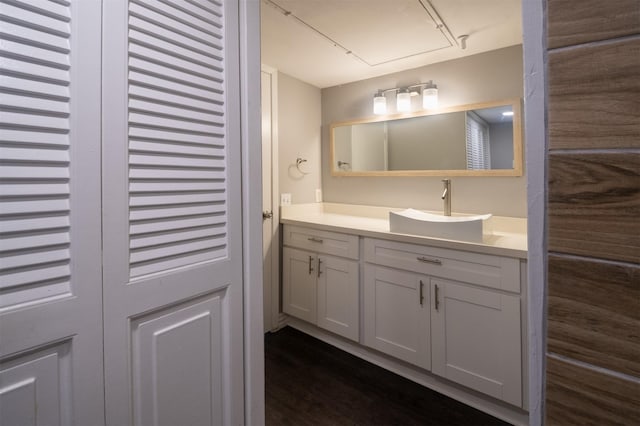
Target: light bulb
430,97
379,104
403,100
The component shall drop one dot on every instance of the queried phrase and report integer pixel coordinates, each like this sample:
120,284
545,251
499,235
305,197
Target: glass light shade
430,97
379,104
403,101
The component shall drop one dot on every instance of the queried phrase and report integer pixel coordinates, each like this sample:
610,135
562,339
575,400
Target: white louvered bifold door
50,241
172,213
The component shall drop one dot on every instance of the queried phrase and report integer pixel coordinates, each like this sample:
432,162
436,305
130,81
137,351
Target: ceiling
331,42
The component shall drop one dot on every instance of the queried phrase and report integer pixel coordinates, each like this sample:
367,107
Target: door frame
535,135
274,289
251,152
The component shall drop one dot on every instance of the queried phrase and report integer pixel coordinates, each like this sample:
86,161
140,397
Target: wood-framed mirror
483,139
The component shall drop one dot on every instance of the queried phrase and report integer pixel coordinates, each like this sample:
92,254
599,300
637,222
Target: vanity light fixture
379,104
403,97
403,100
507,114
430,96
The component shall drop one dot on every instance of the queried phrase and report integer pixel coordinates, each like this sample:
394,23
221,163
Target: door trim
535,136
276,302
250,140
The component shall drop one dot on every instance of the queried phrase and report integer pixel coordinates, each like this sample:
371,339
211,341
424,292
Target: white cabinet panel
177,365
338,296
396,314
476,339
482,269
299,283
318,241
322,286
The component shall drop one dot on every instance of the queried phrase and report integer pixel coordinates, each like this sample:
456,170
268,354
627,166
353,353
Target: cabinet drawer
318,241
486,270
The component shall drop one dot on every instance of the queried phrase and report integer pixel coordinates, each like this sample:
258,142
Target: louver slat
164,34
173,237
175,50
162,90
171,212
180,149
34,146
180,28
47,23
175,10
177,223
176,112
177,155
36,89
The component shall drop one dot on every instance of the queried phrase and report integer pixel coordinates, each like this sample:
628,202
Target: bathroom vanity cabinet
448,314
321,279
453,312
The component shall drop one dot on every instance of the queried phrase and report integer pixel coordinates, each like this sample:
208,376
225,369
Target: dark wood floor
309,382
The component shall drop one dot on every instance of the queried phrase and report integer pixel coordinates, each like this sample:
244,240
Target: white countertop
509,236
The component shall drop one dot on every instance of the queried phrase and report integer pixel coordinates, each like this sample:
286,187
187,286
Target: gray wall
298,136
434,142
491,76
501,142
368,147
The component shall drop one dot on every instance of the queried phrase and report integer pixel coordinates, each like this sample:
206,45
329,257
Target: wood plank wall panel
594,313
594,96
593,213
594,204
583,396
580,21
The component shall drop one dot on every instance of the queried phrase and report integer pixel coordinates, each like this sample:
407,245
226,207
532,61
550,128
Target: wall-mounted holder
299,162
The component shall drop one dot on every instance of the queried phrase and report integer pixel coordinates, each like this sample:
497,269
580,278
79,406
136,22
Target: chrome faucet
446,196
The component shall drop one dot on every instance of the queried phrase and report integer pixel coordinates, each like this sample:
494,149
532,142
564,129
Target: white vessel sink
416,222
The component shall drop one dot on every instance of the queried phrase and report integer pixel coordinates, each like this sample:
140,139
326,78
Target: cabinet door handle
319,263
310,264
427,260
421,292
437,297
315,240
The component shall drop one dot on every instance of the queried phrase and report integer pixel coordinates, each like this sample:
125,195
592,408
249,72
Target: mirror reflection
471,139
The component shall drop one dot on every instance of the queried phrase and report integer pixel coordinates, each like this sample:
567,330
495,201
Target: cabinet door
299,283
476,339
338,307
396,314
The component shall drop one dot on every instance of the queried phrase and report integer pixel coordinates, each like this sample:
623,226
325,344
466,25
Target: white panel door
50,273
172,213
396,314
338,296
476,339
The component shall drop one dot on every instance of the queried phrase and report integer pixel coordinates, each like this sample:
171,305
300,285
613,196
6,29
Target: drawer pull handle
421,292
427,260
437,297
319,263
310,264
314,239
